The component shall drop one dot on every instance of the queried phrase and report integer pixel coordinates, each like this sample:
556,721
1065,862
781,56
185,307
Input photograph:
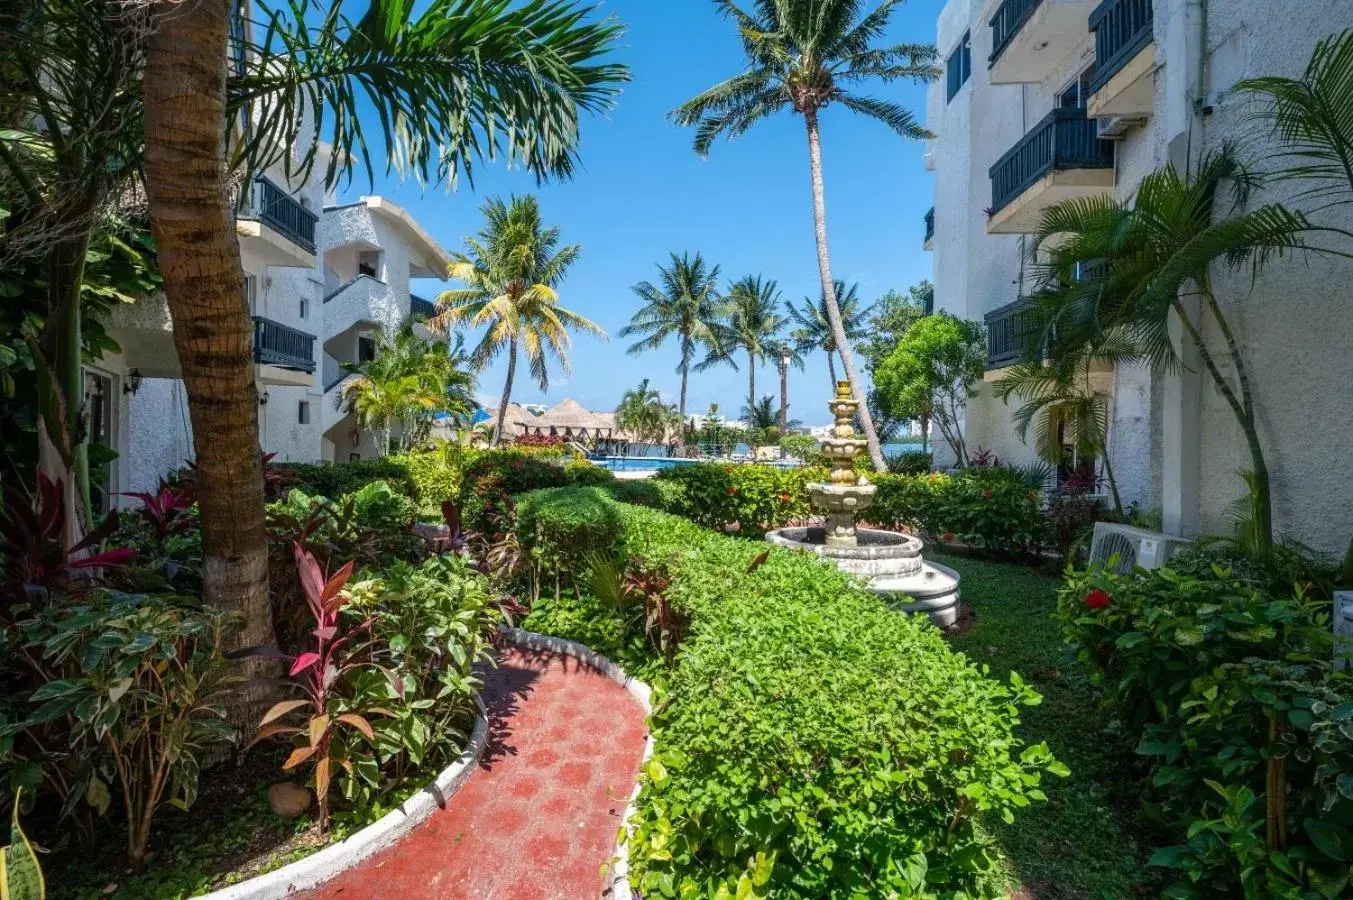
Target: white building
321,282
1049,99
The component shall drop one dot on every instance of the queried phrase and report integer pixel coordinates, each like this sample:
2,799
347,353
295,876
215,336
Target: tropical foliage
643,413
803,56
813,327
512,271
685,304
931,374
753,324
410,381
889,318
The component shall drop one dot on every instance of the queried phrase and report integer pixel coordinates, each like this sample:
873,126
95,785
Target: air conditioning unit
1343,628
1116,128
1133,547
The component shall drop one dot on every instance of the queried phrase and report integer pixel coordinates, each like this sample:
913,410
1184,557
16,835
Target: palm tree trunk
751,381
199,258
686,352
829,293
831,368
498,427
784,397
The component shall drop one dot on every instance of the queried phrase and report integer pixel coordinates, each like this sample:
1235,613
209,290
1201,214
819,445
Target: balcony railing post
1122,29
282,212
1006,22
1064,139
281,345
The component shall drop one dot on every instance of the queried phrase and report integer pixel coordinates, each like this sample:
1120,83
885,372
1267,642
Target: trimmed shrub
561,528
582,472
911,462
1229,694
811,742
754,498
493,478
436,475
650,492
336,479
994,509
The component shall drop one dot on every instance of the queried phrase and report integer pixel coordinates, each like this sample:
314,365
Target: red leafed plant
320,722
35,563
164,510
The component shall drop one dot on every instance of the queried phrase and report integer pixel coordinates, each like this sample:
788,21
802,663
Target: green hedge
560,529
429,477
1228,693
811,742
755,498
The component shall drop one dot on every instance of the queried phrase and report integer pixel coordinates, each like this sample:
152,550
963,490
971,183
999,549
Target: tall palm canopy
814,327
642,412
685,305
804,56
512,270
754,323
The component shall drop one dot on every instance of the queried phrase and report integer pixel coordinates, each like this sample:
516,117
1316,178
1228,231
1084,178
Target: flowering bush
491,479
993,509
1227,692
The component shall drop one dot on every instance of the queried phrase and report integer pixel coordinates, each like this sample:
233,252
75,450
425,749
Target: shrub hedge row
811,742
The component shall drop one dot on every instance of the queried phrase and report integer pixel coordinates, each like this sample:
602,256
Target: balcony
1124,85
285,355
929,242
1033,39
363,303
420,308
1061,158
275,228
1009,331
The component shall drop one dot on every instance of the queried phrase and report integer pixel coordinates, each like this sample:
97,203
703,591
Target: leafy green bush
1229,692
994,509
493,478
337,479
812,742
432,622
377,507
582,472
754,498
130,692
436,474
911,462
650,492
559,529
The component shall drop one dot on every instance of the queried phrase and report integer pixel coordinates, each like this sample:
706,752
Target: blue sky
642,192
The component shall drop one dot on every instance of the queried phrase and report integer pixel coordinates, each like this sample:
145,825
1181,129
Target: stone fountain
888,561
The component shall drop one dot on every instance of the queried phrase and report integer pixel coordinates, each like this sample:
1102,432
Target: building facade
1045,100
321,283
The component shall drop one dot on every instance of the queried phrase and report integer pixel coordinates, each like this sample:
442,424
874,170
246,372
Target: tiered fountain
890,562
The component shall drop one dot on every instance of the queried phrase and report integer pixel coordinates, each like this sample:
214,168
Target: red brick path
539,820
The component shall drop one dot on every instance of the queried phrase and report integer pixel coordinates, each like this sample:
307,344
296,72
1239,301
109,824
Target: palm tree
1059,399
753,323
1132,268
786,354
512,270
685,304
814,331
804,55
642,412
409,381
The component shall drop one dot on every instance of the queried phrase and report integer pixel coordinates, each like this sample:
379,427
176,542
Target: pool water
642,463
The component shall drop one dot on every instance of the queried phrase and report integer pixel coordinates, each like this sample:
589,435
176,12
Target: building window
250,290
303,413
369,263
959,67
1076,93
366,349
305,308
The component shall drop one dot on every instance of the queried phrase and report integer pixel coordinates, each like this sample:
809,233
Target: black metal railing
928,302
281,212
1065,139
420,308
276,344
1011,332
1006,22
930,224
1122,29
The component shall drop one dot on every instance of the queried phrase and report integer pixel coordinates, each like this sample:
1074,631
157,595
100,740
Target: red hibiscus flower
947,536
784,498
1097,599
987,493
732,491
728,468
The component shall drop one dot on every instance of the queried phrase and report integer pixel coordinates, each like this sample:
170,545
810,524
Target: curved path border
640,691
333,860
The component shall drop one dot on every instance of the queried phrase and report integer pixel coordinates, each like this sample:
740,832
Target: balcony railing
1122,30
276,344
930,224
1065,139
1006,22
420,308
1010,330
281,212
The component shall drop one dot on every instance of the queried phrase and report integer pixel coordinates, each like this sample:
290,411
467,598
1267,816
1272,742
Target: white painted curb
619,888
336,859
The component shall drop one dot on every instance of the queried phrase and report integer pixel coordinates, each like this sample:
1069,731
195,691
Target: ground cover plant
778,770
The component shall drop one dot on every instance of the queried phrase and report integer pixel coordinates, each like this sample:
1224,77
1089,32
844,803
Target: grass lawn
1081,843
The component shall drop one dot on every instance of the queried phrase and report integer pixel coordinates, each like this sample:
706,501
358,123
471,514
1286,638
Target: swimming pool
641,463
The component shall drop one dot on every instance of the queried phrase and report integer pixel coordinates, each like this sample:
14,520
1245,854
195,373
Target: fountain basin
890,563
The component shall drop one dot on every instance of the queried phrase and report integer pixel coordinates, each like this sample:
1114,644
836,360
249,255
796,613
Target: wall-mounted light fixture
263,397
132,383
356,437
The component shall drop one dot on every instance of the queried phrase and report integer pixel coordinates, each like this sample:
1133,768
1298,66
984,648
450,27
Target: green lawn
1080,843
